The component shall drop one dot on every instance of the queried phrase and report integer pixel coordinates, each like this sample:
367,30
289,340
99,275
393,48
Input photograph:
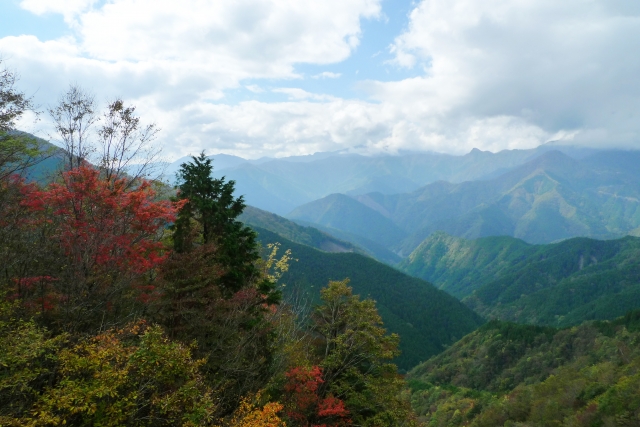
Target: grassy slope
506,373
426,319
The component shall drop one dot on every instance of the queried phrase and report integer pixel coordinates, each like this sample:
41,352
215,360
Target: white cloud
326,75
171,57
254,88
560,66
494,74
68,8
295,93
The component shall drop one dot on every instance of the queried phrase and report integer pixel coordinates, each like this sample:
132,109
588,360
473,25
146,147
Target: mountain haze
344,213
549,198
280,185
309,236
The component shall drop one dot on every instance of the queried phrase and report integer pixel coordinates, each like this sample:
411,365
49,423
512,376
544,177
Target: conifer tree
210,217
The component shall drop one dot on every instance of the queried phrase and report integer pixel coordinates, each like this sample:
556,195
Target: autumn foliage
120,308
305,407
99,225
100,240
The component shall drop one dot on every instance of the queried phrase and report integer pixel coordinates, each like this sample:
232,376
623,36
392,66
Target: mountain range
280,185
546,199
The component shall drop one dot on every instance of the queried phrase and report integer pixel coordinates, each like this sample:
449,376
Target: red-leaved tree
304,405
106,239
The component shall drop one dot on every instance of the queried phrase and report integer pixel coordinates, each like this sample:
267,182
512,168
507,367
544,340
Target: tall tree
115,141
125,144
354,379
106,238
74,116
212,288
210,217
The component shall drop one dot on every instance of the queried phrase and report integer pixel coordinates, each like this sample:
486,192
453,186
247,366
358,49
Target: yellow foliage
279,266
249,414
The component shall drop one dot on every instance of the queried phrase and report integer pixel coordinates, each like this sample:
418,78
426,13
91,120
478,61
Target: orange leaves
249,414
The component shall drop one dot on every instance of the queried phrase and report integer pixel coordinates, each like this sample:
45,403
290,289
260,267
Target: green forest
558,284
521,375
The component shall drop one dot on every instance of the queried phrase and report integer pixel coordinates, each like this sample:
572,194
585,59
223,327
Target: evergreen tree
209,217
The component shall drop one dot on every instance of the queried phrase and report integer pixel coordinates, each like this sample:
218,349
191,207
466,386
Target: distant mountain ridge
280,185
549,198
346,213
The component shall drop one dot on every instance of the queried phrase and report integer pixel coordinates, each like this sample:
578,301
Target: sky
287,77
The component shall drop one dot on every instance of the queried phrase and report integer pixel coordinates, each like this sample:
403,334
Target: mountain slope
508,374
556,284
371,248
459,266
564,284
309,236
426,319
344,213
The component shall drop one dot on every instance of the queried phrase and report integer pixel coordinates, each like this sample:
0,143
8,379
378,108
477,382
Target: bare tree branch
74,115
126,144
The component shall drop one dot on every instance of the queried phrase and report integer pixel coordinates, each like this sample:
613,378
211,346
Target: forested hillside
557,284
459,266
509,374
426,319
296,233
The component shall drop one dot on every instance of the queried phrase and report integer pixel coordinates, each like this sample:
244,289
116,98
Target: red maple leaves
105,232
98,223
304,404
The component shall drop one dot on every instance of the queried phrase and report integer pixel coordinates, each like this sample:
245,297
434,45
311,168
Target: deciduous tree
106,236
353,351
18,151
133,376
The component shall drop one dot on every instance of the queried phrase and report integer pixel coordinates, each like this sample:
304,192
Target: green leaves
353,350
505,373
134,376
